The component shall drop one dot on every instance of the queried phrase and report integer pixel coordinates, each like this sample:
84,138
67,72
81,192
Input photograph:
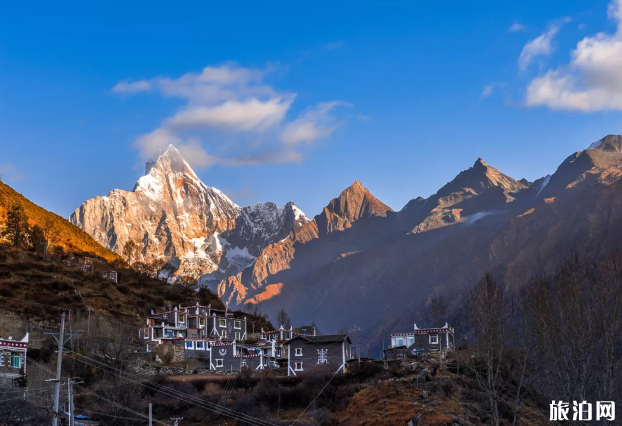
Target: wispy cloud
592,81
489,88
333,45
516,27
541,45
487,91
315,123
8,172
230,100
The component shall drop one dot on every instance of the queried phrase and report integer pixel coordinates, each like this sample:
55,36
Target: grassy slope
29,280
71,238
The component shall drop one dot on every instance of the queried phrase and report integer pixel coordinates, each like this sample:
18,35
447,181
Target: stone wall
169,354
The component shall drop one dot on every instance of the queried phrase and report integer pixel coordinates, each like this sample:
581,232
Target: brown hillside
71,238
36,286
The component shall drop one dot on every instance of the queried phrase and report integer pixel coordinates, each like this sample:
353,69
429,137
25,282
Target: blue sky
285,100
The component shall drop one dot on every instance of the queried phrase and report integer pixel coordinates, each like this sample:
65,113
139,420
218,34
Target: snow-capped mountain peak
172,214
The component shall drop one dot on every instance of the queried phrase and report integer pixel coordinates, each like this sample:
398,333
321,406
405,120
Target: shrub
124,288
320,416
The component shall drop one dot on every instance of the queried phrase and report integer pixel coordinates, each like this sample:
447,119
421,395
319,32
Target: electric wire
179,395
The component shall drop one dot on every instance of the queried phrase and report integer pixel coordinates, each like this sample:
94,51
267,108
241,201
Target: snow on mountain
263,224
172,214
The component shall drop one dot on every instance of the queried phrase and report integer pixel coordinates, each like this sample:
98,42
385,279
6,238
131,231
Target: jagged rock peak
354,203
481,176
610,143
171,161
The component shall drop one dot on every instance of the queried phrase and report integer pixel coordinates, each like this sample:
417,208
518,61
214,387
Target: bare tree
486,313
130,249
573,320
283,319
189,283
438,310
159,267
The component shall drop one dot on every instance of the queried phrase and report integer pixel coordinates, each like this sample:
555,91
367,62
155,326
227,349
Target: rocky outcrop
354,204
264,223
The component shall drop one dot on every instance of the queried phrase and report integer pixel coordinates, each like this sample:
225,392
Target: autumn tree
51,233
16,230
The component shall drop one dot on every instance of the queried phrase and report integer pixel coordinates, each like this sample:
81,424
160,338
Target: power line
179,395
113,415
316,396
103,398
22,396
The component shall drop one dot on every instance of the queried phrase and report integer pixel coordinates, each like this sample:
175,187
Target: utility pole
70,398
358,344
61,339
88,323
176,420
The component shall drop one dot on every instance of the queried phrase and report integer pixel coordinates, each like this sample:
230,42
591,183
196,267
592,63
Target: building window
298,351
399,341
219,363
237,324
202,322
200,346
223,322
181,317
15,360
223,334
237,335
434,339
189,345
410,340
298,366
146,333
148,348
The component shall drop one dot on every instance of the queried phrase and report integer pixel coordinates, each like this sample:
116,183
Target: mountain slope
512,228
311,244
70,237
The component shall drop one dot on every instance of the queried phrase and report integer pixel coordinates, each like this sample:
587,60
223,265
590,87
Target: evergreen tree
37,239
16,230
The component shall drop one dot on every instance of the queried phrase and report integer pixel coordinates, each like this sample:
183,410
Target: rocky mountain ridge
358,260
172,214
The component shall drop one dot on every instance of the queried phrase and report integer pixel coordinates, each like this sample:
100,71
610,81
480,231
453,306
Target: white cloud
251,115
234,100
515,27
592,81
541,45
315,123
